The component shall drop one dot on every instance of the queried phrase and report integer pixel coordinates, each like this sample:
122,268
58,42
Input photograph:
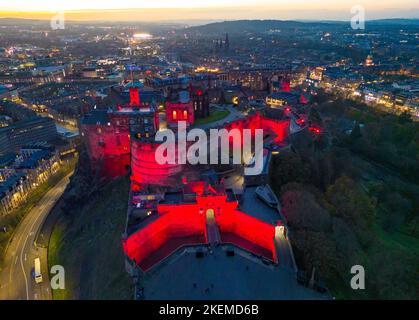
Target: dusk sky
209,9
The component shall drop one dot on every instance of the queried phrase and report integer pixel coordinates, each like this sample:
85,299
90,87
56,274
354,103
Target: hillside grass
88,244
214,116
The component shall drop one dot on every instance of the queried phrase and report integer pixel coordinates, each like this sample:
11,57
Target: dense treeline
387,139
351,198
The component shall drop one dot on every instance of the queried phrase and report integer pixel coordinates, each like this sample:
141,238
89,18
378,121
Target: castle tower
134,94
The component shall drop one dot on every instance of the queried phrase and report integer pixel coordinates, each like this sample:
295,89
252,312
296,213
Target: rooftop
98,116
253,206
217,275
7,159
10,182
34,158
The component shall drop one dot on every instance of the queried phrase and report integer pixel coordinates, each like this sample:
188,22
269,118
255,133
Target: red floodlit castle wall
279,128
176,226
145,168
176,112
134,95
286,85
108,146
185,224
248,233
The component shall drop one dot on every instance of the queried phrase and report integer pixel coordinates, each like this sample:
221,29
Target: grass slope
214,116
89,246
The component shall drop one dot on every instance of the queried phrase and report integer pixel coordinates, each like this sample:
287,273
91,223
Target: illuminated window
174,115
185,114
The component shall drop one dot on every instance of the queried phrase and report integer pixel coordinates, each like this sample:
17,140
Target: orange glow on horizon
205,9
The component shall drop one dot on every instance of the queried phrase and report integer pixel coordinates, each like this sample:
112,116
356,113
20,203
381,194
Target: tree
398,209
318,250
288,167
350,202
356,133
405,117
392,274
303,212
314,117
322,169
348,247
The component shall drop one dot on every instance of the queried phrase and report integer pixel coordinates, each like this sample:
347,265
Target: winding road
16,279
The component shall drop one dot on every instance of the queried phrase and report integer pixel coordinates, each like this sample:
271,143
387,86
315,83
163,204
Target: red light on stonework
287,109
199,92
315,130
134,94
118,153
135,187
184,224
300,121
286,86
148,72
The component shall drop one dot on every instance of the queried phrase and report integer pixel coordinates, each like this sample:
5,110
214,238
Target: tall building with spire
227,43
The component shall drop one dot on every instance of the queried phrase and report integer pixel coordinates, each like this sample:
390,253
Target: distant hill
256,26
234,26
22,22
240,26
410,22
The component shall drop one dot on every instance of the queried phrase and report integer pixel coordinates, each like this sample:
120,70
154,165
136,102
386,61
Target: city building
257,79
23,132
180,107
107,134
37,164
282,99
5,121
22,172
13,190
200,99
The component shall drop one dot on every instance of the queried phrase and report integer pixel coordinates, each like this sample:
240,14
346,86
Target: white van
37,274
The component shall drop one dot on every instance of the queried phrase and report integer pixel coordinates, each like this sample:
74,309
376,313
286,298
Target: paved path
234,115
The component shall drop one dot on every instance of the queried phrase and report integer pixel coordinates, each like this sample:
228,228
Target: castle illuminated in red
172,205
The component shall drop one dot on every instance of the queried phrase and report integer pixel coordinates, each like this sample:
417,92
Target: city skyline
209,10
